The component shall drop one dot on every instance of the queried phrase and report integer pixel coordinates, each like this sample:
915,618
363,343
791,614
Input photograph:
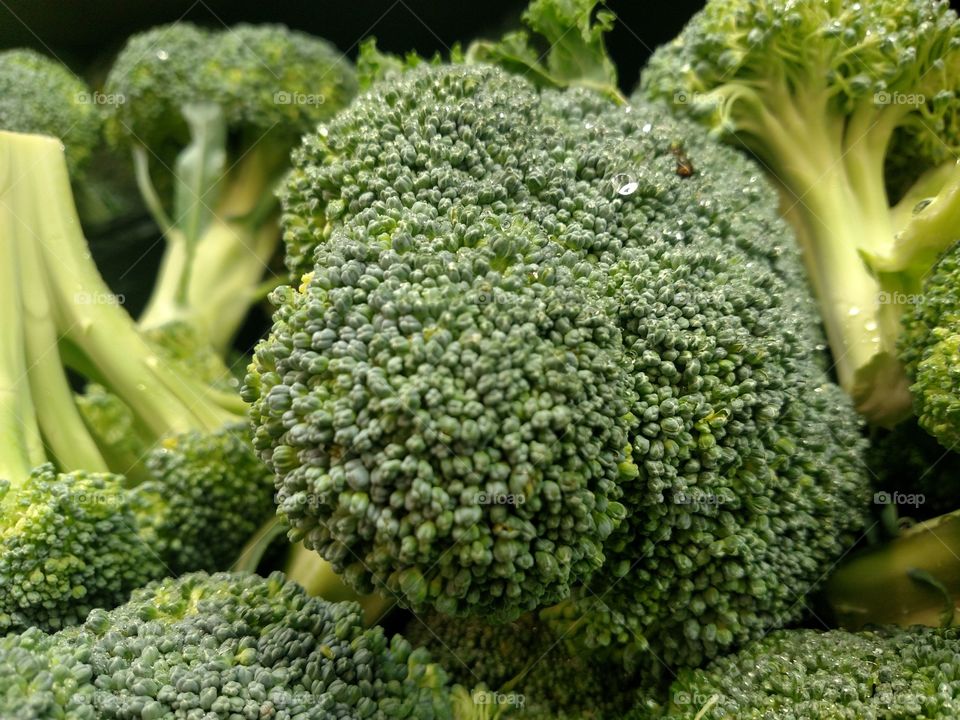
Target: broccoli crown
471,406
799,674
928,348
207,494
41,678
523,668
740,52
265,78
671,248
222,646
39,95
68,543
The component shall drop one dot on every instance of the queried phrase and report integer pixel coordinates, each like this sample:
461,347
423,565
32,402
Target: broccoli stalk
824,94
84,538
102,338
914,579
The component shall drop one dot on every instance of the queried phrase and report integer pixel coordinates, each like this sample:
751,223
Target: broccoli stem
830,168
224,268
19,431
86,313
903,582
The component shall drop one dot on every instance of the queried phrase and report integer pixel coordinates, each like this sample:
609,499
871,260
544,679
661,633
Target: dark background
85,33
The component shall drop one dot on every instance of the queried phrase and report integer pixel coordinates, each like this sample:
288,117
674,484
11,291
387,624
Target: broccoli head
221,646
61,105
669,363
930,349
799,674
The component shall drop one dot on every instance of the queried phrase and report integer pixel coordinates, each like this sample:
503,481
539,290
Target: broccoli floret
61,104
76,535
523,669
802,674
543,207
824,93
930,349
210,117
221,646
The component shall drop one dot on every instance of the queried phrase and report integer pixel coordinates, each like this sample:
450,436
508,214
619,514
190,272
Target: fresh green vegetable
827,95
74,535
210,118
546,338
804,674
220,646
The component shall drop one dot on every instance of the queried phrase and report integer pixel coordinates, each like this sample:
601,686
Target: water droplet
871,325
163,55
922,205
323,131
141,387
589,125
647,128
853,311
820,347
625,184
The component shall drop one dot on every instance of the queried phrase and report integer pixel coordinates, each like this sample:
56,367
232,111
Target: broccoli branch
86,314
912,580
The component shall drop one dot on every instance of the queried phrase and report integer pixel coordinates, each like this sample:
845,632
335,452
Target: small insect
684,165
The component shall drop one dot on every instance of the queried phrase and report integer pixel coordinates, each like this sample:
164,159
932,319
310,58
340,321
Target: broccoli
800,674
930,350
64,110
549,349
827,95
220,646
523,669
77,534
210,118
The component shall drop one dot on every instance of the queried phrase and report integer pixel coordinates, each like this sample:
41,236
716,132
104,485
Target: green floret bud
210,118
39,95
801,674
472,410
207,495
929,350
68,543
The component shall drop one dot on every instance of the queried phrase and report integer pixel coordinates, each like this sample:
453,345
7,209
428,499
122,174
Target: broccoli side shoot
210,118
824,94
